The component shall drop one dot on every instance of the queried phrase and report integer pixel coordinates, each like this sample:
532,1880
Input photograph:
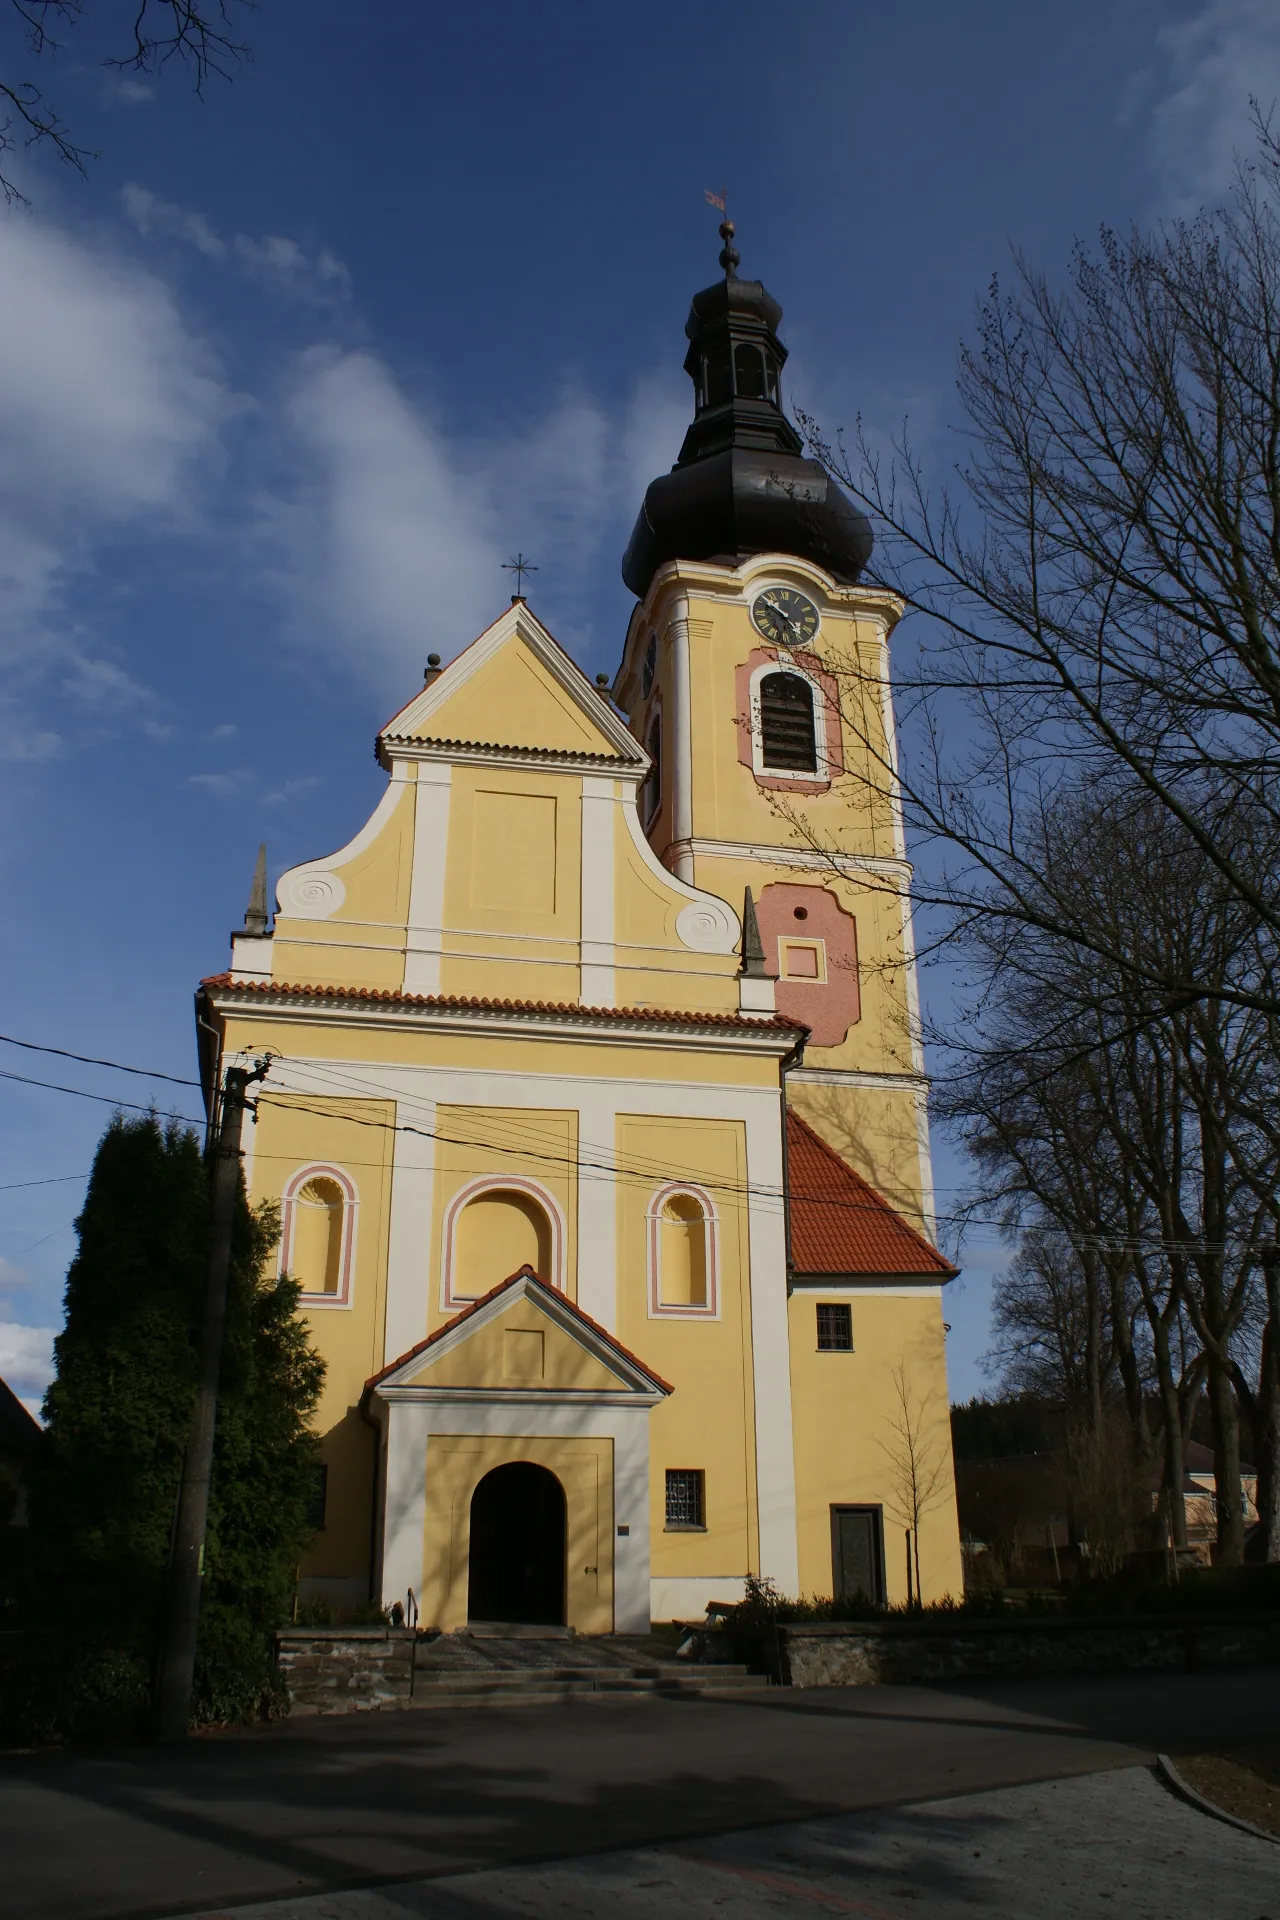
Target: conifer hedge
88,1603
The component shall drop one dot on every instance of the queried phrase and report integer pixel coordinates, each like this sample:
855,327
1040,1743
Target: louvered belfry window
787,735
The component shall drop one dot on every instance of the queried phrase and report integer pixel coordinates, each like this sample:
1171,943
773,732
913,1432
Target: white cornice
306,1006
858,1077
806,858
484,754
522,1396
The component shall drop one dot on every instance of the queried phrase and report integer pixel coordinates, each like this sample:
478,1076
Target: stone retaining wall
345,1669
863,1653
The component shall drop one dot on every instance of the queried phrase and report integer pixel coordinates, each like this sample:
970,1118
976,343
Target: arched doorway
518,1547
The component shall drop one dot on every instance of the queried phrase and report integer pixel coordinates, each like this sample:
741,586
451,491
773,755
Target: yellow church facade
595,1110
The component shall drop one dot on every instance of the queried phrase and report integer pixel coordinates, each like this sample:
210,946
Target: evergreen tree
117,1417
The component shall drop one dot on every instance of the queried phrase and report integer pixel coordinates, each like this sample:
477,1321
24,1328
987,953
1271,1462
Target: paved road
1108,1843
355,1801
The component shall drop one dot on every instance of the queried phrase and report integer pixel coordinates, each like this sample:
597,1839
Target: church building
596,1108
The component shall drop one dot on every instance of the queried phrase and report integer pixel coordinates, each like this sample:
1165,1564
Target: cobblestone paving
1114,1843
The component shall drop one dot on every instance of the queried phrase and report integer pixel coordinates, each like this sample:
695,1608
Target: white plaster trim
822,771
836,1289
804,859
517,620
757,994
494,1183
658,1309
425,932
856,1077
597,981
688,1598
313,891
289,1203
251,956
714,911
410,1377
682,735
770,1351
410,1427
306,1009
409,1234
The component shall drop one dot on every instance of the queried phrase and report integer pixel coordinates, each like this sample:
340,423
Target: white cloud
106,401
280,265
1196,92
387,538
26,1359
222,784
382,543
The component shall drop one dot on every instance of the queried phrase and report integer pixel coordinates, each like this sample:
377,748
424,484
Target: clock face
785,616
649,668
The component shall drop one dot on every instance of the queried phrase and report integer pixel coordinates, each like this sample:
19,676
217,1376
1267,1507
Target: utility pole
182,1616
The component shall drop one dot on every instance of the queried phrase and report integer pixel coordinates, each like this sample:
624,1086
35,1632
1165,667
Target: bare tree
198,34
1144,1135
1103,585
918,1454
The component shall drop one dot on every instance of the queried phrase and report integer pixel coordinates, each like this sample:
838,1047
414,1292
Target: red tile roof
667,1016
840,1225
521,1273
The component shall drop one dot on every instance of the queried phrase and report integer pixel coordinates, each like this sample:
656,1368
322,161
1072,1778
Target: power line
57,1180
105,1099
92,1060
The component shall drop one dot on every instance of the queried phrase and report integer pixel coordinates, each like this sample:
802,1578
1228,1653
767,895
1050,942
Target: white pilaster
770,1352
597,1204
405,1501
682,739
426,889
410,1237
599,809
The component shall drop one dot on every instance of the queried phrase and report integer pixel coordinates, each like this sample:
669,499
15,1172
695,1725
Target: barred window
787,735
686,1498
835,1327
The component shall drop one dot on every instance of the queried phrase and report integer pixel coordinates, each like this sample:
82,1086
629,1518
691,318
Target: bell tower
756,675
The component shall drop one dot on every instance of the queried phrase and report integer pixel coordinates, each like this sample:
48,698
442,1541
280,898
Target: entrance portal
518,1547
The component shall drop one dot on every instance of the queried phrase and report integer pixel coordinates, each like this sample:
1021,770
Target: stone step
570,1671
513,1688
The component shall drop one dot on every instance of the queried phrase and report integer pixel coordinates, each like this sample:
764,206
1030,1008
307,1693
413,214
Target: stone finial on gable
255,914
251,943
755,983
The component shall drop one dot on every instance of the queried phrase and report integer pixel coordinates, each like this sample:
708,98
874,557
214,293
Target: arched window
317,1234
492,1229
682,1253
748,369
788,734
651,791
717,374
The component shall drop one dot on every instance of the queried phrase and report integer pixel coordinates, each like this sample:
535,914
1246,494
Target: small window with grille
835,1327
686,1499
788,737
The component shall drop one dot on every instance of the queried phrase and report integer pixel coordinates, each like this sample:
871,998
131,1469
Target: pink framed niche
811,944
827,718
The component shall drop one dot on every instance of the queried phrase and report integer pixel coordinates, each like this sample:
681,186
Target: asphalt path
366,1800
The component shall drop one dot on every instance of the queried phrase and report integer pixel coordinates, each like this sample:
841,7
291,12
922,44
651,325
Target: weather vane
519,566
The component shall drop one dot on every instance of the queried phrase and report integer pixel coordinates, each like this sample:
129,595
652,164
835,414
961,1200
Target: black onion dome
742,484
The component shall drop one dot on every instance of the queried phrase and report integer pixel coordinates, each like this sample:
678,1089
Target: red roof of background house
839,1224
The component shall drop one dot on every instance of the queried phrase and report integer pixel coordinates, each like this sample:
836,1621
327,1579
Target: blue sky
300,365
